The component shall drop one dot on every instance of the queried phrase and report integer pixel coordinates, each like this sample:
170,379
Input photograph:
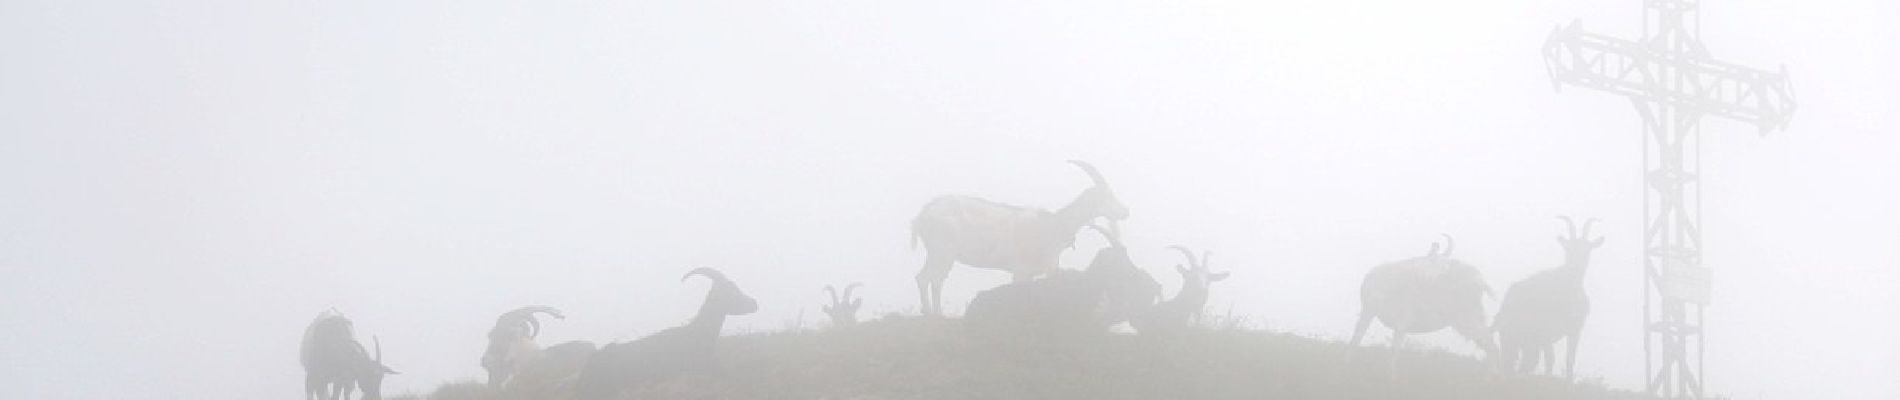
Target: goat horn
1571,224
1449,244
1093,173
710,273
536,309
1192,262
833,292
1111,236
525,315
849,288
1586,228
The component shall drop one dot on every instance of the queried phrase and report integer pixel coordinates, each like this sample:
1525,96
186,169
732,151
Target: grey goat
843,310
621,366
1548,306
335,364
511,345
1177,313
1067,303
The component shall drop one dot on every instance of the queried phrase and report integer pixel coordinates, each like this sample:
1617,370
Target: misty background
184,185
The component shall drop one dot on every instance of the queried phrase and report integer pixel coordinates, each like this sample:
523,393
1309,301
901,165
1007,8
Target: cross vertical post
1670,78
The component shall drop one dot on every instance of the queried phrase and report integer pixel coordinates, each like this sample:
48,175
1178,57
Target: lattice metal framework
1671,79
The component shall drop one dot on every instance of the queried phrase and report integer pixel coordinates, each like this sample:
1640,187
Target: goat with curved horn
843,310
1173,315
1548,306
335,363
1422,295
1067,303
511,345
1130,289
621,366
984,234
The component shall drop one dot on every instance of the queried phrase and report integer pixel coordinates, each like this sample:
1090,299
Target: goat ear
826,307
1561,241
1218,277
387,370
1597,243
1180,269
856,302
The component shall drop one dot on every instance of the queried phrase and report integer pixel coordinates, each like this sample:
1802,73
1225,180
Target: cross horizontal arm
1639,71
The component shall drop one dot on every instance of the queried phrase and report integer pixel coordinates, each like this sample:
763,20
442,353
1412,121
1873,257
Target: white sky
183,184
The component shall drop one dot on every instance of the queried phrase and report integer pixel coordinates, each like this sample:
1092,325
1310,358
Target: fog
184,185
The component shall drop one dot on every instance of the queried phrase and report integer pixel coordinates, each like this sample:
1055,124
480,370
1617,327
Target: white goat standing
843,310
335,364
1422,295
1177,313
985,234
620,366
1548,306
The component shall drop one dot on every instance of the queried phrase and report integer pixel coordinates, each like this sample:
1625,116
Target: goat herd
1416,295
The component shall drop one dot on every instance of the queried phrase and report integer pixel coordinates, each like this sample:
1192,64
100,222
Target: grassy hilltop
919,358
